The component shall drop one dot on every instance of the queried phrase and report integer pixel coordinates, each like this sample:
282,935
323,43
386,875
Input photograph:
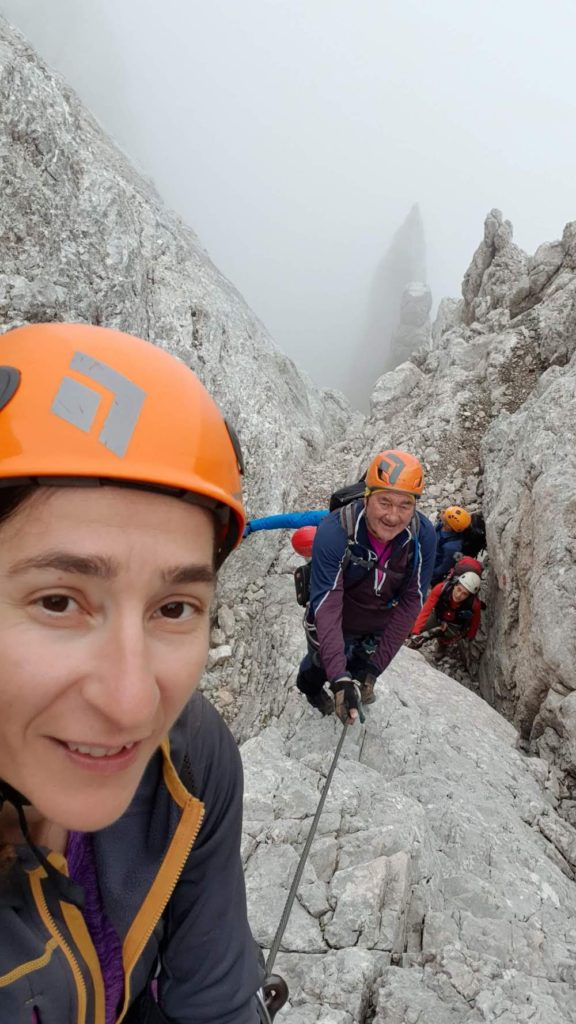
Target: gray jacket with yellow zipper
171,881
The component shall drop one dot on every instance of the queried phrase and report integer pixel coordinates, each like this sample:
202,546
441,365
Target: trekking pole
303,857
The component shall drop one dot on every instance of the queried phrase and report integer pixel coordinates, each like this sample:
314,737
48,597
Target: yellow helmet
456,518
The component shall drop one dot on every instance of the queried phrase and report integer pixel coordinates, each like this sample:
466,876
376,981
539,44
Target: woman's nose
124,686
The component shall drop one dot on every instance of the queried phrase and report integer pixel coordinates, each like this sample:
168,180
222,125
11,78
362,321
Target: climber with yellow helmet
450,529
120,787
371,566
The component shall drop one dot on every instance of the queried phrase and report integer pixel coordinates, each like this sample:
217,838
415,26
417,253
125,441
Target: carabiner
271,997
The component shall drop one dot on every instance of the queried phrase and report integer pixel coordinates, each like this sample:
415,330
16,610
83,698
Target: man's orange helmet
81,403
396,471
456,518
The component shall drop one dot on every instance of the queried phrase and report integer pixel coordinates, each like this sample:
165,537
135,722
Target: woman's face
459,593
104,621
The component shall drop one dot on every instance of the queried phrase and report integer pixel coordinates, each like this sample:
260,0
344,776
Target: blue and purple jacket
348,600
172,887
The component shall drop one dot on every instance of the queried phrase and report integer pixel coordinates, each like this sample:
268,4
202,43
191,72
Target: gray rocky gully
435,890
441,885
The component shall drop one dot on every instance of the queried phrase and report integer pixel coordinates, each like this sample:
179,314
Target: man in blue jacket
450,529
371,567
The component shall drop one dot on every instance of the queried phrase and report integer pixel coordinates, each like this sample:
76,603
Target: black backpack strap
348,519
444,597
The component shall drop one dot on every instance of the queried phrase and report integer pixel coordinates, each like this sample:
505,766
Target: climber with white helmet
121,883
450,530
453,607
371,565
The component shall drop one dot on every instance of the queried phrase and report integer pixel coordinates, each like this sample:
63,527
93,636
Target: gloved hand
346,699
247,529
415,641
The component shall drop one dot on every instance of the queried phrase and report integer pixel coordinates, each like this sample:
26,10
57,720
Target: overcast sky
295,135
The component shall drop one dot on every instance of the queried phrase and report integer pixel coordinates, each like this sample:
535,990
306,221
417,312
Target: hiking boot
367,695
321,701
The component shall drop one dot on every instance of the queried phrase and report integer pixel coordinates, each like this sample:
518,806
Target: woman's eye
176,610
57,603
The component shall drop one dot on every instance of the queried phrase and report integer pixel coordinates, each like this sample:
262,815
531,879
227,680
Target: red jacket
449,614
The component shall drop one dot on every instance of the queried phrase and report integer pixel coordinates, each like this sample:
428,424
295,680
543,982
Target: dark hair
12,497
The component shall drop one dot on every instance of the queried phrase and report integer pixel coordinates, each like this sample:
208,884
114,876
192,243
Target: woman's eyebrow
189,574
105,568
64,561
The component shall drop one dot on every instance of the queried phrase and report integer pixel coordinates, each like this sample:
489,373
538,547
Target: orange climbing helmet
80,403
456,518
396,471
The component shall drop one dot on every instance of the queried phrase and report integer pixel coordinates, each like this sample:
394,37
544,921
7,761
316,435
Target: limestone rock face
440,885
84,237
413,331
530,488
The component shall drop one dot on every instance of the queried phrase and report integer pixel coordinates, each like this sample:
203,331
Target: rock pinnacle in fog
403,264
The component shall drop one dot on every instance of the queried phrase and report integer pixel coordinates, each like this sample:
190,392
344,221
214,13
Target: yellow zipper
153,906
36,886
32,965
146,919
76,924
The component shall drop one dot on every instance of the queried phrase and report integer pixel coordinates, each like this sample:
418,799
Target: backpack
346,495
340,498
302,576
462,564
474,537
